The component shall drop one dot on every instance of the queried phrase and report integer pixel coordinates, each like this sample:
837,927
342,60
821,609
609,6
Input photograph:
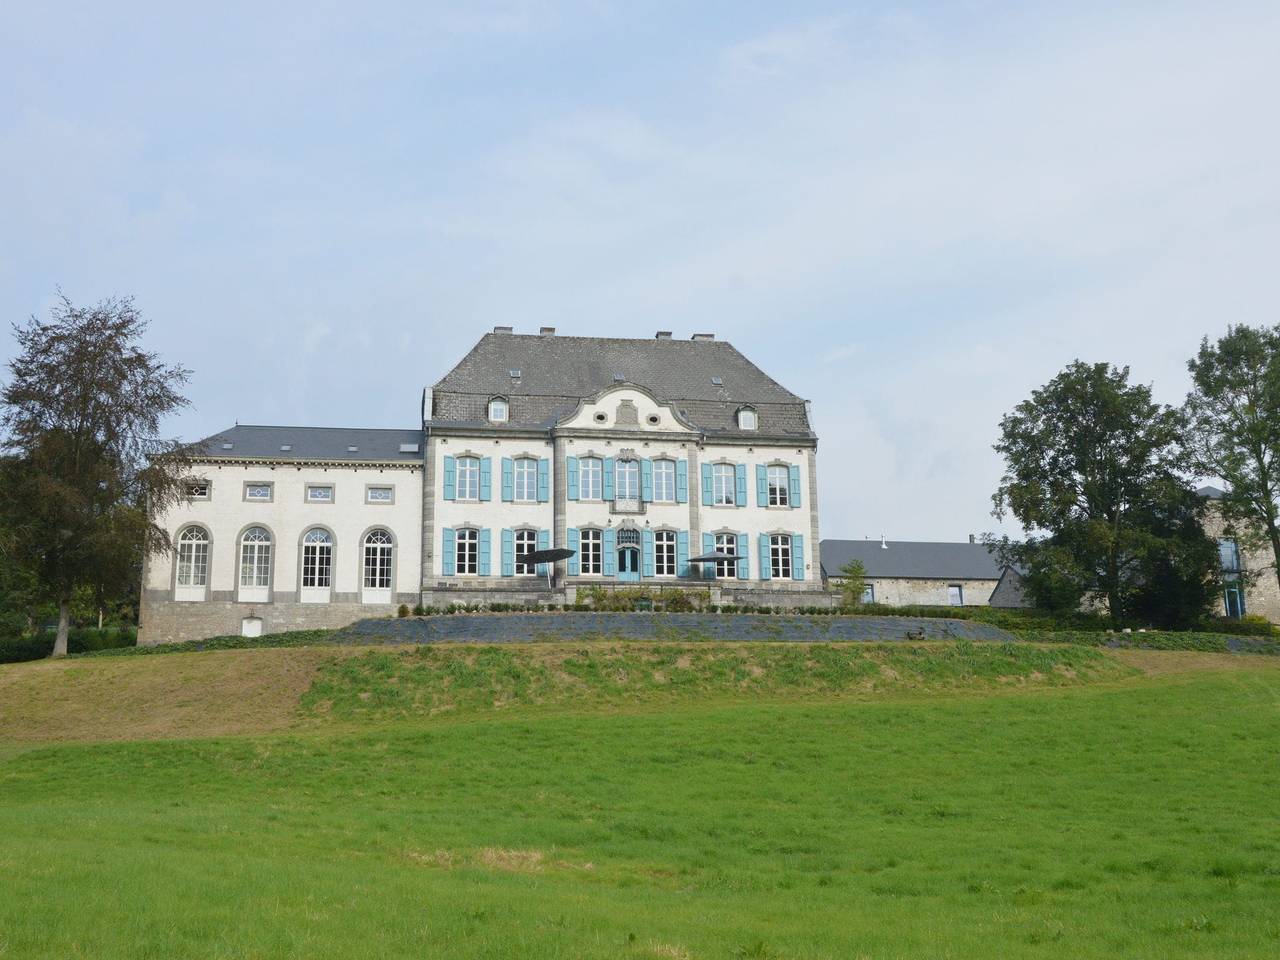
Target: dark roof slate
313,443
912,559
556,372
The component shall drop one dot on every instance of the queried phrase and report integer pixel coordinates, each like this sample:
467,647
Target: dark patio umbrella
546,556
715,557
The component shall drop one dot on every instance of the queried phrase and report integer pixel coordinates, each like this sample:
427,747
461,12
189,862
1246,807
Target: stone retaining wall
533,627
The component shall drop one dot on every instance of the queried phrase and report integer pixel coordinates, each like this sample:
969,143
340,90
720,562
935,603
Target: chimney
703,336
662,335
546,331
883,545
972,538
503,329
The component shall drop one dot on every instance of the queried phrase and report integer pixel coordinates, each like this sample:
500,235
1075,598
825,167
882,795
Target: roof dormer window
498,410
747,419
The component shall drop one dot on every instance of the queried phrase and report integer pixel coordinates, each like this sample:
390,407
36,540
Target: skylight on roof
227,446
718,381
619,378
408,448
286,446
353,449
515,373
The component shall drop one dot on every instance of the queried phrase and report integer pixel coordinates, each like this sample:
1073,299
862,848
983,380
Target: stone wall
1262,594
907,591
165,620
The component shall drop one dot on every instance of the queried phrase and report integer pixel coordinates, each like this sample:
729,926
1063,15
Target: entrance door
629,565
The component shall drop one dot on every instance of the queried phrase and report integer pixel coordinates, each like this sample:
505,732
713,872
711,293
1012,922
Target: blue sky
909,213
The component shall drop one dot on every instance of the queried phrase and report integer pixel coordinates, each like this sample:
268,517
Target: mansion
649,462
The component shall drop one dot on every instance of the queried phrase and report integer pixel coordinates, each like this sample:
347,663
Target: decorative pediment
627,407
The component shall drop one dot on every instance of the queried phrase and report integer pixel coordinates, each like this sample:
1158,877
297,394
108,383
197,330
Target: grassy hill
641,800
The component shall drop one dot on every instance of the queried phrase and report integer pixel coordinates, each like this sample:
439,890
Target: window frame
780,546
492,404
317,560
271,491
530,535
778,495
748,412
630,468
958,595
189,484
199,558
664,553
382,553
591,551
470,467
728,473
466,540
596,474
660,466
726,543
256,555
308,499
530,476
370,487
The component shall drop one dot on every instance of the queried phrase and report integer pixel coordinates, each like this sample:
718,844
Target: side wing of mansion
639,456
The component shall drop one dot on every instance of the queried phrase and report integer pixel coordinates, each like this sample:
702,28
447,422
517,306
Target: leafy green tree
1094,474
855,576
1234,413
80,419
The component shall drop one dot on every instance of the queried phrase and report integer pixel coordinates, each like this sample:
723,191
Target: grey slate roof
912,559
313,443
556,372
1211,493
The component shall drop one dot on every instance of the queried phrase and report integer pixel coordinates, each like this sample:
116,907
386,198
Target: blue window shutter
508,552
449,552
610,547
646,546
486,478
762,485
706,484
646,480
682,553
740,478
764,557
794,478
708,544
544,480
682,481
608,478
797,557
508,480
544,543
451,478
482,567
571,472
575,544
744,569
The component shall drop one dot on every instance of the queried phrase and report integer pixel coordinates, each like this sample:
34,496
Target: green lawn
1127,817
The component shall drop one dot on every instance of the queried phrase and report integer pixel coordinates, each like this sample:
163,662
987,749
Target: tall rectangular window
468,478
1229,555
955,595
726,543
664,481
868,593
780,556
468,549
590,549
526,542
664,553
627,480
317,559
779,487
723,481
193,557
526,479
590,478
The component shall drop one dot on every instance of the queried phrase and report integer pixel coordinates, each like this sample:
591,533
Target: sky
911,214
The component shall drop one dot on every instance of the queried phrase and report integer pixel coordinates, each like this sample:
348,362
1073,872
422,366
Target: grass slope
1135,818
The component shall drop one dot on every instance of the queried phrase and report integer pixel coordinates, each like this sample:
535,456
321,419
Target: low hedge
37,646
1201,641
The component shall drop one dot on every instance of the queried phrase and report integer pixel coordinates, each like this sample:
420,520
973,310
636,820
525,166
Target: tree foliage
80,418
1094,472
1234,415
851,589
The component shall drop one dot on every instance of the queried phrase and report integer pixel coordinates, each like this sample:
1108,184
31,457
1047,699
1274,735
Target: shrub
402,611
37,646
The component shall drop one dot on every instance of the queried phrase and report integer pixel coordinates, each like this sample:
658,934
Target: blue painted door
629,565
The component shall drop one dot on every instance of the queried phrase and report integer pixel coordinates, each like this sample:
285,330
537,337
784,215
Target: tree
854,583
1095,464
81,418
1234,414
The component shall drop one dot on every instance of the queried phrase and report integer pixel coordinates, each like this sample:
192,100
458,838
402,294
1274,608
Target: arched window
255,566
317,560
747,419
498,410
377,560
193,563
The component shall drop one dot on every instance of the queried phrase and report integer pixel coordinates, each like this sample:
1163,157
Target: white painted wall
225,514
